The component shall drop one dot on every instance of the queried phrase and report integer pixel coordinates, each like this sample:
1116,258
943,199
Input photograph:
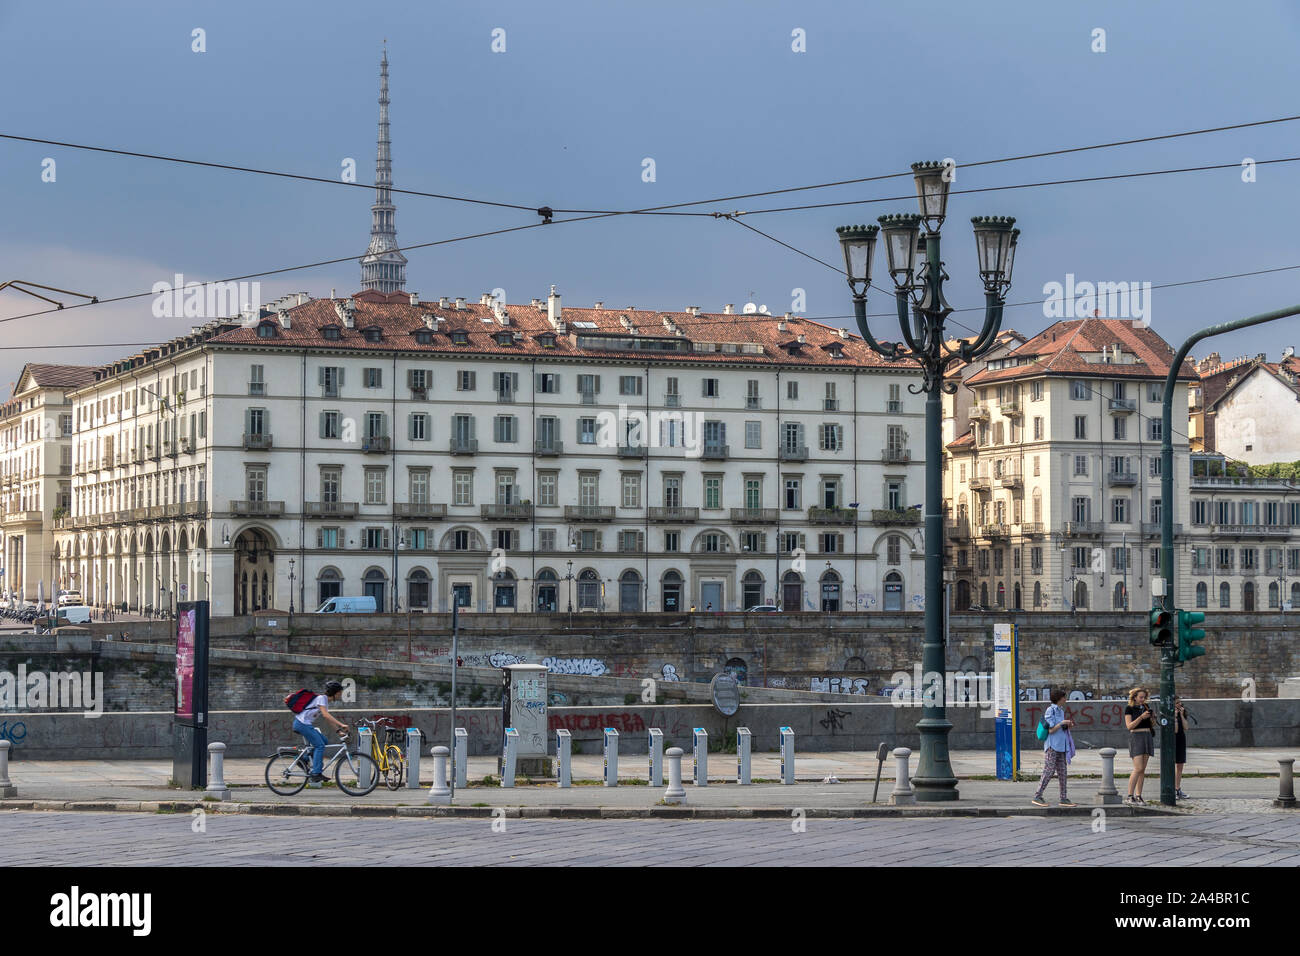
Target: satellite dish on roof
750,308
1288,351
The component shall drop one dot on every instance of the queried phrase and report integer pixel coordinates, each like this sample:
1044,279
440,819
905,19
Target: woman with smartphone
1141,740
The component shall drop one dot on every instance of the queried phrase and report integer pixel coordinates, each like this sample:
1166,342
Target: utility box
743,741
656,751
611,757
787,755
700,752
524,697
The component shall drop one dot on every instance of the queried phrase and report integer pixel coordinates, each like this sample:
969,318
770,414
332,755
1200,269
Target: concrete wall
819,727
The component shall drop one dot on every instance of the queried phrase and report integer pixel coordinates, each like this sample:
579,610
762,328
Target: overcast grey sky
584,92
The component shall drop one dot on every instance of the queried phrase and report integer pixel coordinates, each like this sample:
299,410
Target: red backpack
297,702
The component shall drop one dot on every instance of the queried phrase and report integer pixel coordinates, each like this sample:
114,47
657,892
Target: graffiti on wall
624,723
583,666
839,685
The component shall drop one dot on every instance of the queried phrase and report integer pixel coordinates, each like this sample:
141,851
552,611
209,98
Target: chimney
600,304
693,310
460,303
302,297
729,309
553,313
442,302
415,298
430,320
537,304
844,333
781,326
284,318
803,339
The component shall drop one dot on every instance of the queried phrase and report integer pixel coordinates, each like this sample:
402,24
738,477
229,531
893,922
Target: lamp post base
934,781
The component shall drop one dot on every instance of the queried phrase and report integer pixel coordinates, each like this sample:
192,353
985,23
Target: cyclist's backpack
297,702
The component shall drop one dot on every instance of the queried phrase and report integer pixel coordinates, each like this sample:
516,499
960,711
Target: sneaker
1066,803
1130,799
1038,802
1180,795
317,777
1138,799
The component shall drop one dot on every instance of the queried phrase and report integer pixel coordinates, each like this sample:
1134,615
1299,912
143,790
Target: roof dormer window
373,334
266,330
331,333
423,337
460,338
546,341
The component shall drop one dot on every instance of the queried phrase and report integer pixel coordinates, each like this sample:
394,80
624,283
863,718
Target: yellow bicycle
388,756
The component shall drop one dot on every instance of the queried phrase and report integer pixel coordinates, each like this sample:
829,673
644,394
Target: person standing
1140,722
1058,748
1181,716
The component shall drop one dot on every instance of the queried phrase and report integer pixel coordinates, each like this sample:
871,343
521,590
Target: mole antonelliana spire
384,266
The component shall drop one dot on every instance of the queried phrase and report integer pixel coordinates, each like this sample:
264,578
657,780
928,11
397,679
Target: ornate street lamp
916,269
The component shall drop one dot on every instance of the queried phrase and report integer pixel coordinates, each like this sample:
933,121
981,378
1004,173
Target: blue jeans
317,740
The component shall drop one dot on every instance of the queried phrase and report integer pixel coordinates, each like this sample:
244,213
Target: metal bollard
1107,794
217,772
742,756
610,751
902,785
509,754
365,738
656,751
787,755
440,792
1285,783
675,793
460,759
700,756
564,756
7,789
413,741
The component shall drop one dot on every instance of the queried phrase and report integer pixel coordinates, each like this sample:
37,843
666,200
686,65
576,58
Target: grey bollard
787,755
742,756
1285,783
217,772
460,759
413,740
675,793
700,756
564,757
439,792
611,757
509,755
1107,794
7,789
656,751
365,739
902,794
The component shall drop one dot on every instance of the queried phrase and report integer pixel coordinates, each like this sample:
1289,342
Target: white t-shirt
312,710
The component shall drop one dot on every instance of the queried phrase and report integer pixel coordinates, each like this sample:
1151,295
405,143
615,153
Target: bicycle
389,758
289,769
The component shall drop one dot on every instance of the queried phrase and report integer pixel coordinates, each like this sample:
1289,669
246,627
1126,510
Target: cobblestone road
88,839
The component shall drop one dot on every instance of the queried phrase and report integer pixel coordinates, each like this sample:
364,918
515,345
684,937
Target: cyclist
303,724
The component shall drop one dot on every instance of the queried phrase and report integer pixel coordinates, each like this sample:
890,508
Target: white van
348,605
74,614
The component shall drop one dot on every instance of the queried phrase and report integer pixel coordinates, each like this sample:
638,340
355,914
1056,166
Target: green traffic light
1162,627
1188,635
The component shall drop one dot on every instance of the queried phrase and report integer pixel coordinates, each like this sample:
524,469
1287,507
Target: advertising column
190,720
1006,697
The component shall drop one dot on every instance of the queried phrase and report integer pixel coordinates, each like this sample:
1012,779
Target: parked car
348,605
69,597
764,609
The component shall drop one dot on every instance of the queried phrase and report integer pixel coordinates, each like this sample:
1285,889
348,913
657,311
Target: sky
562,104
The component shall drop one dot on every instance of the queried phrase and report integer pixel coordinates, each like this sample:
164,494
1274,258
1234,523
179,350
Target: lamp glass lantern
932,185
994,243
902,233
859,246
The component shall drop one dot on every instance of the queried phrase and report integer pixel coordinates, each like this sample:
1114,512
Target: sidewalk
142,785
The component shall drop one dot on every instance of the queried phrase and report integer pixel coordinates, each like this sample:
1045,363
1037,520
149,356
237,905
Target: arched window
1274,595
984,594
791,591
329,584
503,589
547,590
1202,594
1295,595
629,591
1119,601
1002,594
374,586
671,591
417,590
1225,595
588,590
752,589
831,591
1016,597
1038,594
1080,596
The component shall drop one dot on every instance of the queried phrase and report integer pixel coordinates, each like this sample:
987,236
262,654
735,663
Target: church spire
384,266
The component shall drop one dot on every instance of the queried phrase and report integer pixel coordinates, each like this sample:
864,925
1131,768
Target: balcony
834,516
588,512
1121,478
463,446
255,442
980,483
715,452
1032,528
138,457
830,404
672,401
753,515
1010,409
631,451
894,407
170,449
23,517
548,447
507,512
332,509
979,413
106,461
1253,530
139,514
157,511
419,509
1082,528
995,530
1123,406
895,455
888,516
1201,571
1154,529
377,445
187,446
794,453
195,509
419,392
238,507
675,515
1010,480
957,530
173,510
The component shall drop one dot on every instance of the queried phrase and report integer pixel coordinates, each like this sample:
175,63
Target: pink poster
185,663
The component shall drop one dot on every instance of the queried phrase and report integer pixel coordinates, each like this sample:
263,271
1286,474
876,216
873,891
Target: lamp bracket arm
889,350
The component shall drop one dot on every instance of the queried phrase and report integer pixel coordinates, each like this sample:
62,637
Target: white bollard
675,793
1285,783
1107,794
217,772
902,794
440,792
7,789
413,740
564,757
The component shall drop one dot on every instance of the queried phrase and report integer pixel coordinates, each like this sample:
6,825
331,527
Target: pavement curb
568,813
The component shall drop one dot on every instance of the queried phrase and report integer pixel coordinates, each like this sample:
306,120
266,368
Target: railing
589,512
674,514
463,446
1156,529
507,512
409,509
1123,405
957,530
830,404
715,452
631,451
106,461
1031,527
257,442
1011,479
888,516
753,515
1010,409
979,413
1082,527
672,401
597,545
336,509
256,507
1121,478
548,447
995,530
1222,480
895,454
794,453
980,483
377,445
1253,530
894,407
840,516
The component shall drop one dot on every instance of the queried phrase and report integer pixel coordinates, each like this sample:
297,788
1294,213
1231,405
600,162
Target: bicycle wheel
393,772
286,775
354,768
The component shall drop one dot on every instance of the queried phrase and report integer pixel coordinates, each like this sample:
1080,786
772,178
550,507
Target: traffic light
1162,627
1189,634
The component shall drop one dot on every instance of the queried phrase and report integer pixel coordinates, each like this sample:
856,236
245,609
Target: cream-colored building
522,457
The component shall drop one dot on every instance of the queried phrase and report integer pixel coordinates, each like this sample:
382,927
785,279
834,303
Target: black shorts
1180,748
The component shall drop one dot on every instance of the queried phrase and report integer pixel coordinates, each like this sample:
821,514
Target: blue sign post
1006,695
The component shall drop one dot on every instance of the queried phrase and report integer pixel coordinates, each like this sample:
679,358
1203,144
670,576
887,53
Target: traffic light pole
1169,652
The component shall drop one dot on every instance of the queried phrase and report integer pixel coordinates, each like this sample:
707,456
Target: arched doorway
792,592
831,591
329,584
752,589
588,590
1018,605
254,571
1038,595
547,590
375,585
1248,596
503,590
1080,596
1002,594
629,592
963,595
417,590
671,588
893,591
